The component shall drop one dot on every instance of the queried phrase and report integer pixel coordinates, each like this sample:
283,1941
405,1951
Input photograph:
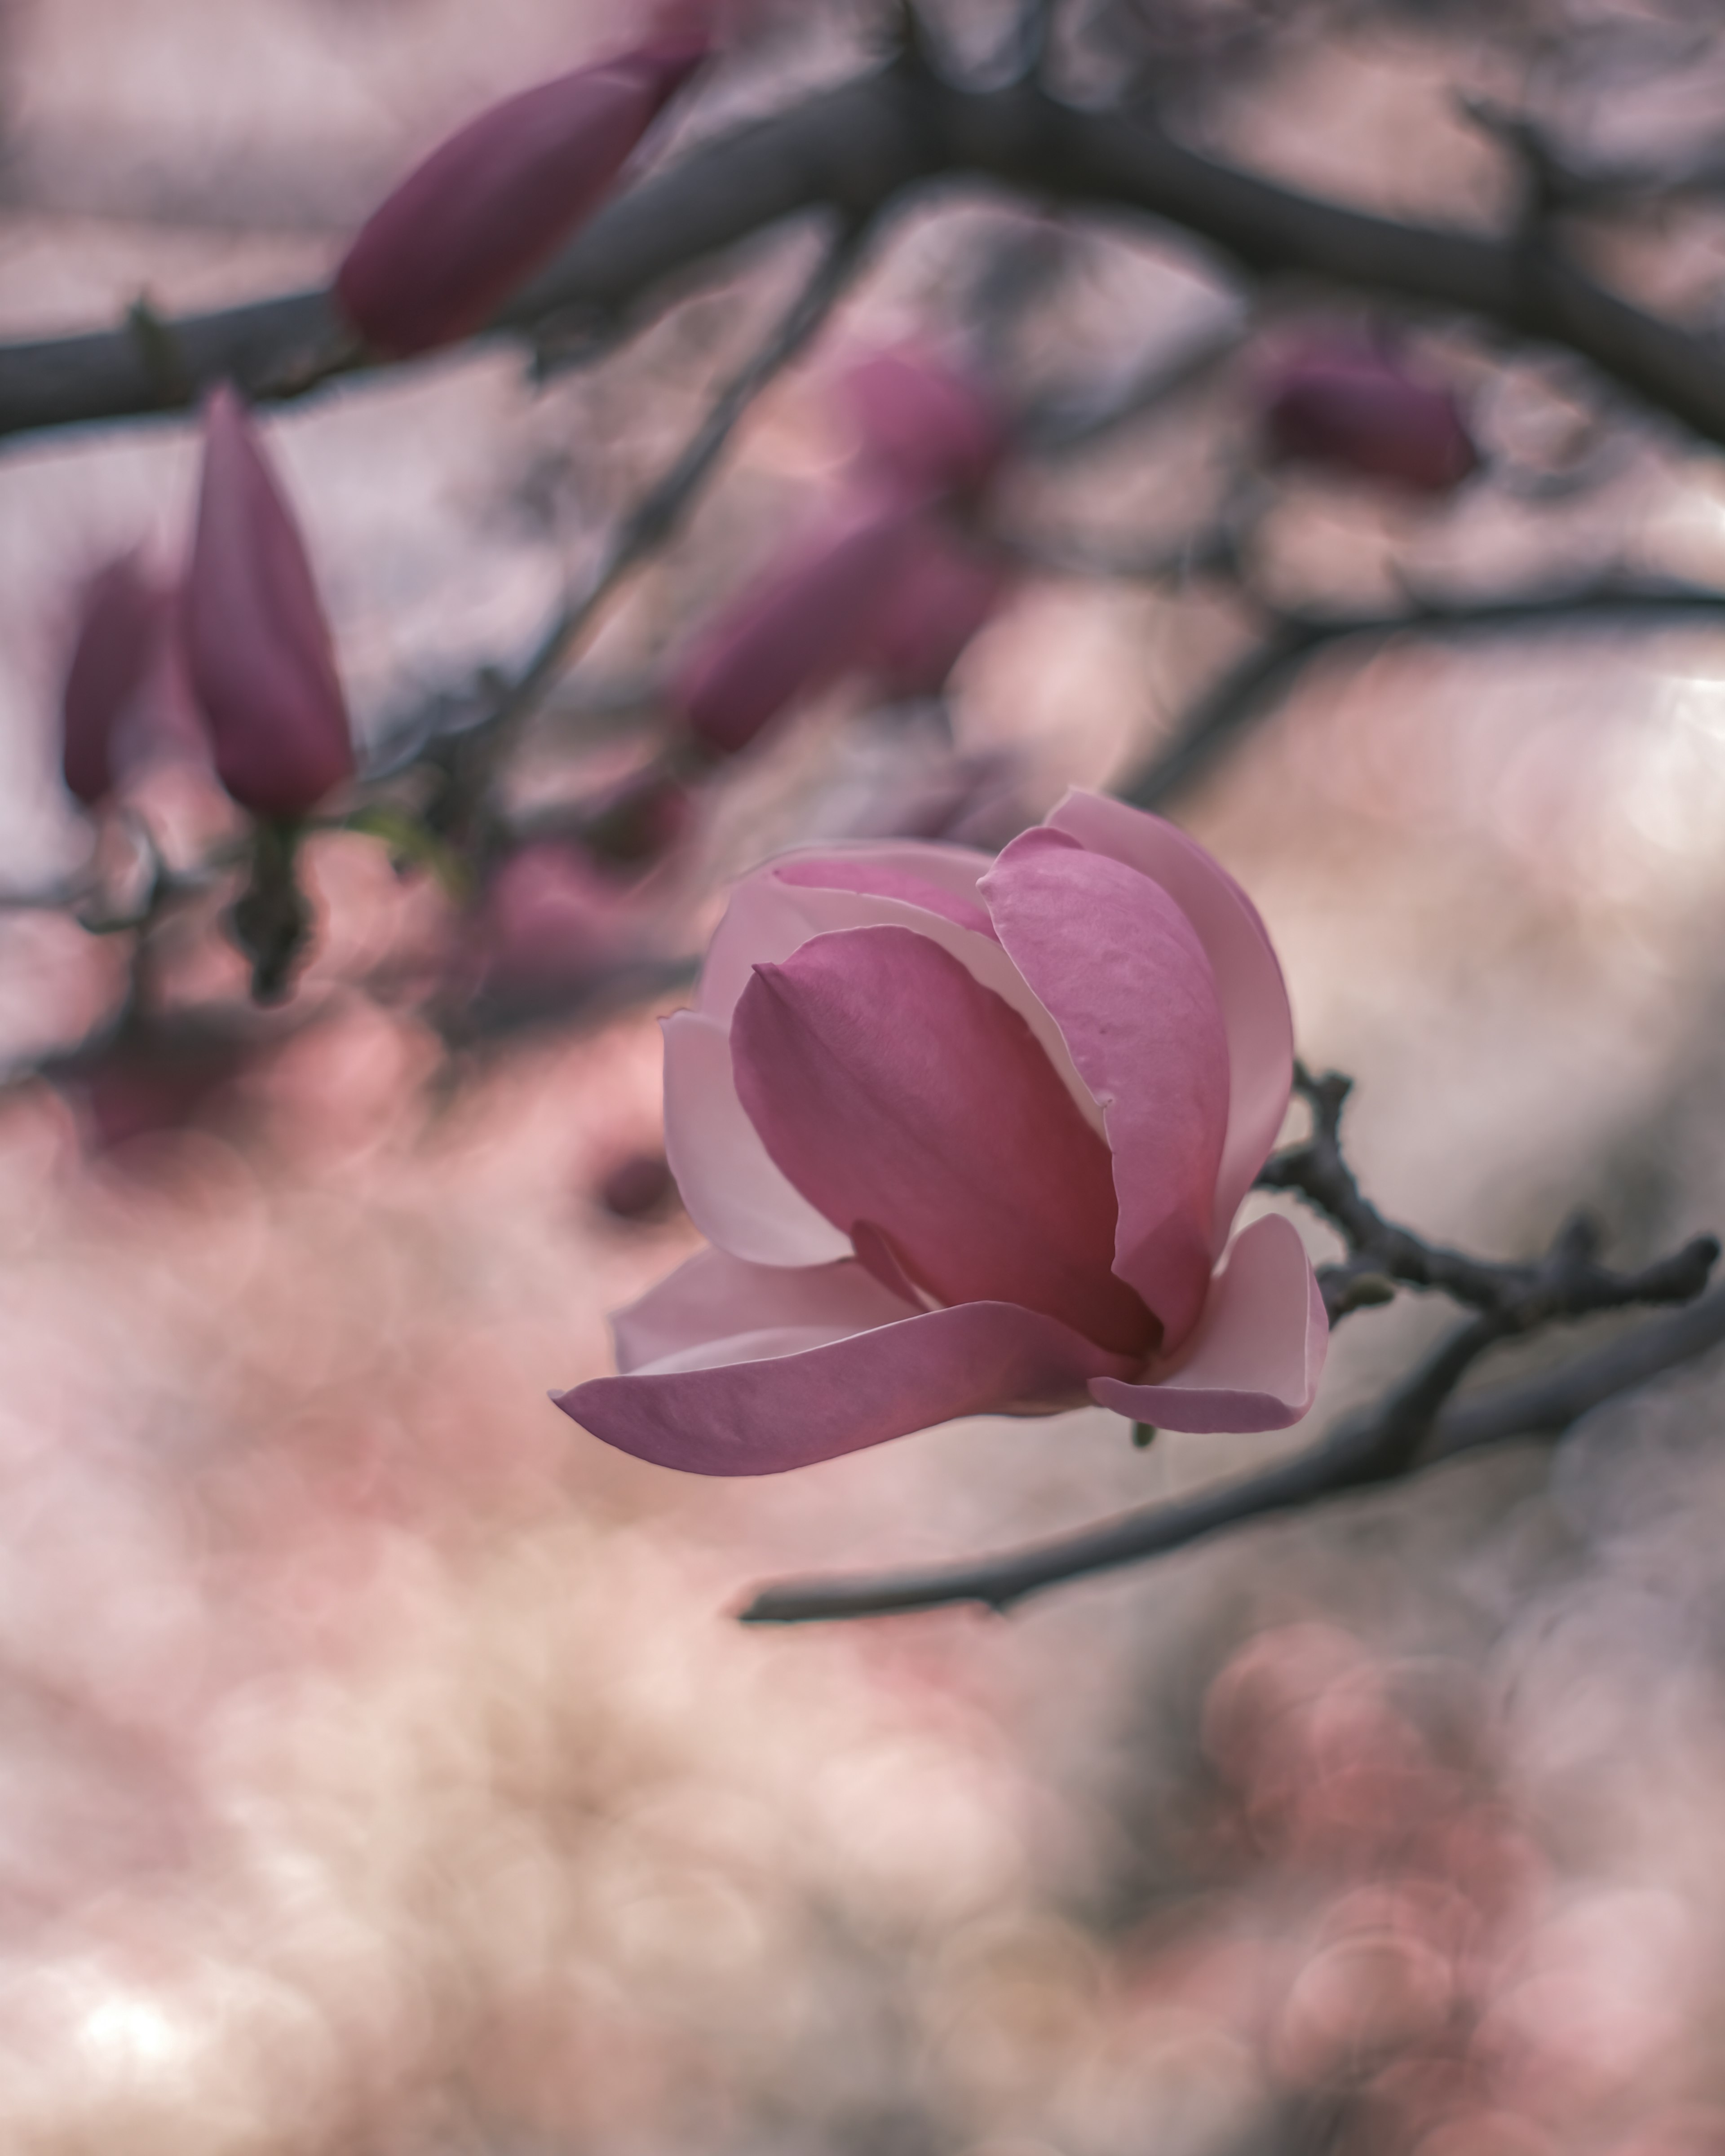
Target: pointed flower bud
486,209
923,421
1356,408
258,651
122,620
943,593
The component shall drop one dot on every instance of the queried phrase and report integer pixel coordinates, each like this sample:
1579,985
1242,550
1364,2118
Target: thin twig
1255,684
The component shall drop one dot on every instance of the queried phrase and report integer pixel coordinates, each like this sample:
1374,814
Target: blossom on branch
923,422
966,1137
1356,407
123,618
489,206
258,651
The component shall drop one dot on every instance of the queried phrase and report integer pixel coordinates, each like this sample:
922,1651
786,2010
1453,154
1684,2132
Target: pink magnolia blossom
941,594
490,205
923,422
969,1137
1356,407
257,647
123,618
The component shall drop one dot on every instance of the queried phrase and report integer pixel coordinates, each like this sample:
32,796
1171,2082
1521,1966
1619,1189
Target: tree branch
854,150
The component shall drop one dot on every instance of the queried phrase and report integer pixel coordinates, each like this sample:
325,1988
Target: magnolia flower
488,207
258,652
923,422
1356,408
123,619
970,1136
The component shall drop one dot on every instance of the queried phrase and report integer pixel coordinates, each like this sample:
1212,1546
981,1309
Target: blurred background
380,1768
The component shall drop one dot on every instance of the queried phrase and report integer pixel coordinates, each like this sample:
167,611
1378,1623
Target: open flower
969,1137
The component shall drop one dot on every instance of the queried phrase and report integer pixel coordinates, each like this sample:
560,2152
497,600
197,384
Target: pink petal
891,1087
441,255
734,1195
769,917
926,421
714,1298
942,595
906,872
1255,1362
258,651
793,1409
123,618
1121,968
1254,996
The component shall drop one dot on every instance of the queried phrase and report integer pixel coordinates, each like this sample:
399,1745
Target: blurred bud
805,621
487,208
122,620
1355,408
942,595
647,815
923,423
549,927
641,1187
155,1074
258,649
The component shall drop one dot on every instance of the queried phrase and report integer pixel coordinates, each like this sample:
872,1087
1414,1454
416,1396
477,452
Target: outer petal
735,1195
899,872
893,1089
1256,1358
1120,967
1254,997
790,1410
714,1299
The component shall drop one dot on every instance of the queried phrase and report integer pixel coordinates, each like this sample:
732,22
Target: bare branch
1253,687
855,149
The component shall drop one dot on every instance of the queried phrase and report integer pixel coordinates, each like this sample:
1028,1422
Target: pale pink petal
791,1409
767,919
715,1298
1120,967
1255,1362
892,1088
1254,996
734,1195
907,878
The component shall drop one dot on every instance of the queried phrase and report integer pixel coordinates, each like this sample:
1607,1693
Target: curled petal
891,1087
1248,982
258,651
1121,968
1255,1362
714,1299
441,253
761,1417
943,879
734,1193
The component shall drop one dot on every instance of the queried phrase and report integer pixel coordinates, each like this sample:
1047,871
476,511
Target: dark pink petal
714,1299
800,626
1255,1362
924,421
891,1087
1121,969
257,647
943,594
791,1409
488,207
734,1193
123,618
891,872
1254,997
1357,408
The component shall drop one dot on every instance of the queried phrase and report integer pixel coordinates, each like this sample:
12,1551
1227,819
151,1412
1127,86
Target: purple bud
258,651
942,594
923,422
806,620
123,619
1356,408
438,258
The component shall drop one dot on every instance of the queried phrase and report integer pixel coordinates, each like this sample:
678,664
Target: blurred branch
1414,1426
854,150
1256,683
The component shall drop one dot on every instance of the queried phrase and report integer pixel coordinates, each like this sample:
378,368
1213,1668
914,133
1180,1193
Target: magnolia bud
488,207
806,621
258,649
123,619
942,594
922,422
1355,408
